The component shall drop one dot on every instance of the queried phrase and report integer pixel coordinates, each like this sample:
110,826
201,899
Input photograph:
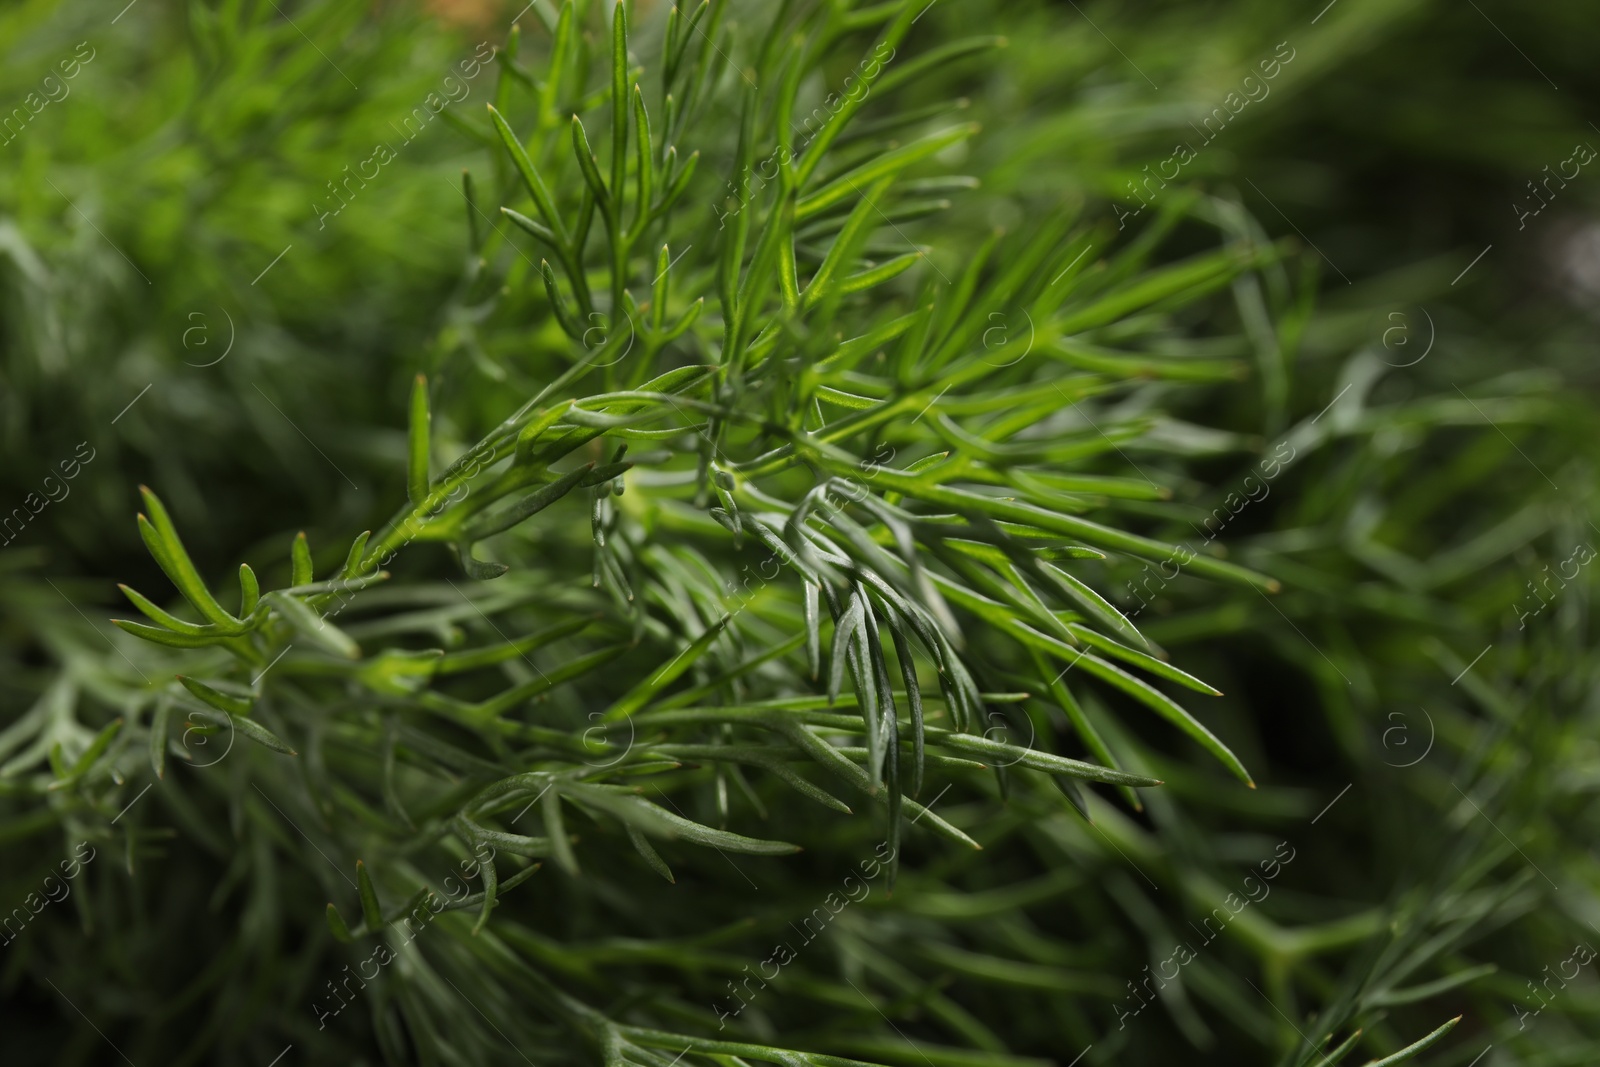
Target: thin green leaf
454,662
161,537
249,591
908,672
573,668
469,195
96,749
836,763
558,303
619,100
866,216
476,899
312,626
646,160
1141,659
167,637
642,845
1334,1056
589,165
254,731
883,166
813,630
215,697
1073,794
1157,285
300,572
1014,755
1092,739
170,621
696,833
530,177
352,560
555,828
1411,1051
1091,601
537,229
159,722
1070,526
844,629
866,279
1164,706
336,924
370,909
417,451
640,695
491,893
535,502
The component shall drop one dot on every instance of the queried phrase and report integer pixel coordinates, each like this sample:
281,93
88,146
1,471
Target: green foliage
752,453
